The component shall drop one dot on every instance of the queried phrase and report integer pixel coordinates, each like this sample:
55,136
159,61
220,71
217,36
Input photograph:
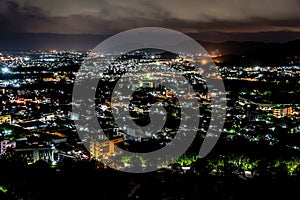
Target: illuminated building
146,84
5,119
282,112
34,154
104,149
5,144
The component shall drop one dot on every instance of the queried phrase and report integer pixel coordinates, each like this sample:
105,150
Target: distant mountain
48,41
254,52
239,48
250,52
43,41
267,36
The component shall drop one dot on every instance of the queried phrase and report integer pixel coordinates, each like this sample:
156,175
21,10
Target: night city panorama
149,100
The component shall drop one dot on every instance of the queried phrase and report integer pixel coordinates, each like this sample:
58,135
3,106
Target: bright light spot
5,70
203,61
3,189
103,107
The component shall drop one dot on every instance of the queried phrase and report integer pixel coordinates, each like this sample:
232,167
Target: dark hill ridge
43,41
48,41
255,52
249,52
240,48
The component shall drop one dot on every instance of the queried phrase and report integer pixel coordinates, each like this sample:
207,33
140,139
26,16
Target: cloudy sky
112,16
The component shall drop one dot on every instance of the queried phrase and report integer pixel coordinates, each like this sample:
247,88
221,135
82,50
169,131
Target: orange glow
204,61
251,79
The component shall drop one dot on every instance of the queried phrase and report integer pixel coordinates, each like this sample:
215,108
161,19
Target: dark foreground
45,183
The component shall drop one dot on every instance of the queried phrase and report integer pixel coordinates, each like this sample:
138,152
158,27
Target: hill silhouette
255,52
235,52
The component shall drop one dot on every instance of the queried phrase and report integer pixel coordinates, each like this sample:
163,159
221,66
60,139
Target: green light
3,189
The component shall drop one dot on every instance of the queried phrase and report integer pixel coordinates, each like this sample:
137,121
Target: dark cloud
14,18
111,16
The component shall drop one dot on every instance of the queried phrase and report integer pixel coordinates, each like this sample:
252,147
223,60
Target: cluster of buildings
261,73
35,108
37,120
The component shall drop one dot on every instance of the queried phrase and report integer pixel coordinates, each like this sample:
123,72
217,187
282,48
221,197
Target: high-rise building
104,149
282,112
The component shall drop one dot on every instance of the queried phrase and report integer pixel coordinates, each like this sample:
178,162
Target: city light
36,120
5,70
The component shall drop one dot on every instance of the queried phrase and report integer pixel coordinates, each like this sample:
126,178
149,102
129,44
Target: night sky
208,20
